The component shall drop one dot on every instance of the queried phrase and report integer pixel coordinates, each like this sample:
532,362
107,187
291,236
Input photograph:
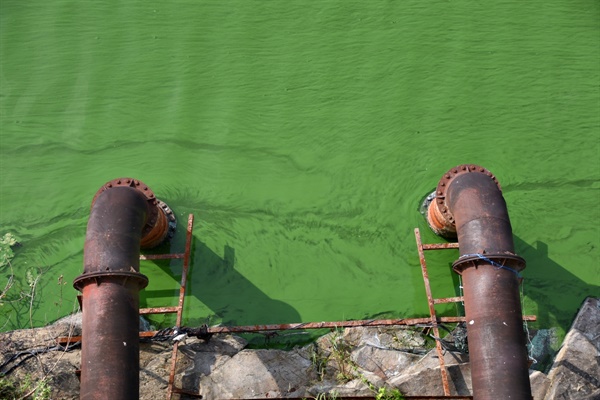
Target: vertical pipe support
468,204
125,215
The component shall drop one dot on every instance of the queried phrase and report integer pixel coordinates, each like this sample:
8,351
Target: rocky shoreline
346,362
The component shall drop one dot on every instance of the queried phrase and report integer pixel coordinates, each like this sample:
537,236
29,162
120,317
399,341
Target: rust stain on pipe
124,212
468,203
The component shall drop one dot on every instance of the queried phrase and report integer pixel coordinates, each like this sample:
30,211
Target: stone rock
587,321
385,363
367,351
384,337
575,373
206,357
70,323
424,377
430,360
539,384
342,362
428,382
352,388
155,365
260,373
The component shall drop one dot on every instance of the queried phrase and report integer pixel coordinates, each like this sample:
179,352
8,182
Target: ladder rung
159,310
448,300
67,340
162,256
440,246
147,334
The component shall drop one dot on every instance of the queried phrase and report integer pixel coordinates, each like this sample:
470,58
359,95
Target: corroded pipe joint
160,222
439,214
135,279
468,203
511,262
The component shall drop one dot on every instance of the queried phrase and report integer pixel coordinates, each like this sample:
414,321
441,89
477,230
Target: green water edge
215,286
303,137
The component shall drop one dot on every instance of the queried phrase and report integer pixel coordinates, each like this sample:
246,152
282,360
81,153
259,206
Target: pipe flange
439,217
153,216
163,230
97,277
170,219
508,261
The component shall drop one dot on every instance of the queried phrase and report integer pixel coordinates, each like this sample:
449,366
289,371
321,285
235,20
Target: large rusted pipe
124,215
468,203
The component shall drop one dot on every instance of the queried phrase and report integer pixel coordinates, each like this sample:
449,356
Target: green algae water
303,137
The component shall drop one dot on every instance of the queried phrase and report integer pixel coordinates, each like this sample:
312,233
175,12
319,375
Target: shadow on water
557,293
230,297
233,300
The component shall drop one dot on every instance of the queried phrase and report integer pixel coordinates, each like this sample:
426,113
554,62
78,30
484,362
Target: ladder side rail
431,303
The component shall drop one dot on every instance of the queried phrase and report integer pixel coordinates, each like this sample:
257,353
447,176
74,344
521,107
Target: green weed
28,388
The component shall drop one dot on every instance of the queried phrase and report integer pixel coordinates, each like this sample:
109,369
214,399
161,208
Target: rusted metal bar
440,246
431,303
67,340
339,324
186,266
469,204
307,325
322,325
123,213
159,310
172,371
449,300
162,256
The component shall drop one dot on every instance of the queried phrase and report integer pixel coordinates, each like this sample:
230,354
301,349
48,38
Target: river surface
303,136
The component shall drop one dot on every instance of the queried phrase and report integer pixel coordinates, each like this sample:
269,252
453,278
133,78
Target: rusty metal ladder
432,301
171,389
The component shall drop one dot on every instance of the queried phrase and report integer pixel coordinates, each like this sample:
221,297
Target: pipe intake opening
439,212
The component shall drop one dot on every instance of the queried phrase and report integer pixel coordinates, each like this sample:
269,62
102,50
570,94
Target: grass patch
28,388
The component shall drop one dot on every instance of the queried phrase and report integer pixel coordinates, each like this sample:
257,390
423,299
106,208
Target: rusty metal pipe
123,212
468,203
